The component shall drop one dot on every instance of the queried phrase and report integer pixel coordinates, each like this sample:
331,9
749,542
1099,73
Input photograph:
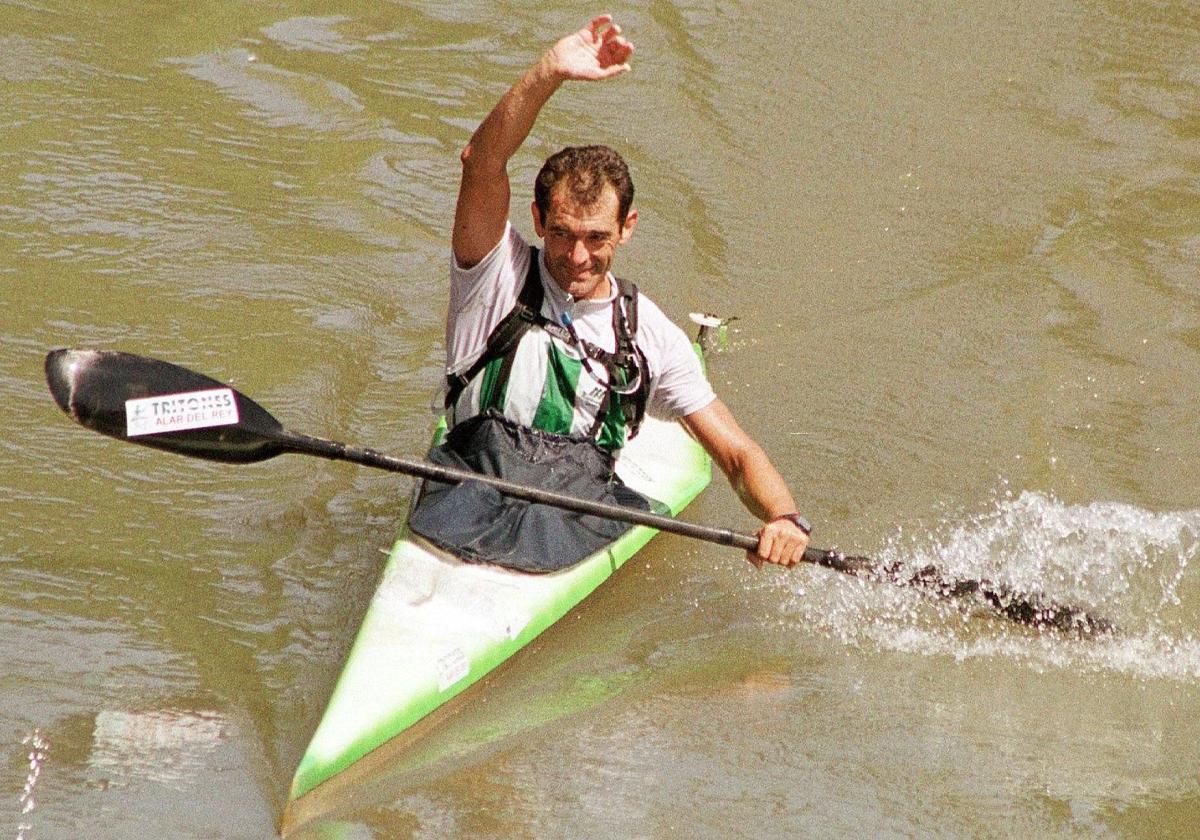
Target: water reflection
165,746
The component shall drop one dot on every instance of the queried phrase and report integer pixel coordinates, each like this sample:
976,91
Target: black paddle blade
1031,609
1037,611
117,394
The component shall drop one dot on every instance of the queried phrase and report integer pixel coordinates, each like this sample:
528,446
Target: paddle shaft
333,450
1021,607
1016,605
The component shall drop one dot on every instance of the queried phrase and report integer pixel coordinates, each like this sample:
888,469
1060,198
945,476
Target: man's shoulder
510,251
656,323
679,383
480,297
497,277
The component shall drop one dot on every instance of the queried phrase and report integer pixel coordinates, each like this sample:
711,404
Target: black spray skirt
481,525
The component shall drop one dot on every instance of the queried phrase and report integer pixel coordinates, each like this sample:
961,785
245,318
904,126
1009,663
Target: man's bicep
481,213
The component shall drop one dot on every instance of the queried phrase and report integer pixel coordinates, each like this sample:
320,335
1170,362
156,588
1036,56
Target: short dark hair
584,170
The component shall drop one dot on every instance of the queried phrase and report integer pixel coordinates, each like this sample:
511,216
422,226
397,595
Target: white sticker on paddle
176,412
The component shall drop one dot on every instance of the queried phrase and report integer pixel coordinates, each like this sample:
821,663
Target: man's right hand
595,52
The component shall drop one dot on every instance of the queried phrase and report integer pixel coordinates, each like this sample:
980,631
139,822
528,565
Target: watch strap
796,519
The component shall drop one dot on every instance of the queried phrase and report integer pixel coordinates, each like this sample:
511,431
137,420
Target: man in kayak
553,360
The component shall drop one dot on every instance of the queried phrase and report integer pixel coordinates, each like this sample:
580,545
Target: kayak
437,624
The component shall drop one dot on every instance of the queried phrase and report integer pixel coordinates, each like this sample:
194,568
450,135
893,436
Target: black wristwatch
797,520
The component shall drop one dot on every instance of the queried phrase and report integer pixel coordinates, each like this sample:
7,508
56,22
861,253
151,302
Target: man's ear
630,224
539,226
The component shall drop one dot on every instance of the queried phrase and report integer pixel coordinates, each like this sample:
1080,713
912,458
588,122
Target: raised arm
756,481
593,53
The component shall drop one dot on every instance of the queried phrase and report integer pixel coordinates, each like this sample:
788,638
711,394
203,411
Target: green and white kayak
436,624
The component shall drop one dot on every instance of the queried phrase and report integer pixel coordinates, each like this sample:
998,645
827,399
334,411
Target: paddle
165,406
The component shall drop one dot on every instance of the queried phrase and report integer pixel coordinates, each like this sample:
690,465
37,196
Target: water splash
39,749
1130,565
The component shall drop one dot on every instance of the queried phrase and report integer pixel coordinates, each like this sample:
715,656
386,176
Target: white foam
1118,561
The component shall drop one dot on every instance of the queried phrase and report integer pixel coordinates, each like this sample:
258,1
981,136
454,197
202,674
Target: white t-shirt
482,295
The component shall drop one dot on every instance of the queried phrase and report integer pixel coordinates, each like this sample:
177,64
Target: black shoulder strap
625,317
629,357
531,291
505,336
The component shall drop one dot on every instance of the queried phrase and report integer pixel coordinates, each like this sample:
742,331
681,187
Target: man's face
580,240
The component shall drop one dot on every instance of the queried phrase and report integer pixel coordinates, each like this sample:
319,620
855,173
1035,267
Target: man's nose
579,252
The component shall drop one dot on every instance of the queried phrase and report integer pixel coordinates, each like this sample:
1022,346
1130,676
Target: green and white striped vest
541,375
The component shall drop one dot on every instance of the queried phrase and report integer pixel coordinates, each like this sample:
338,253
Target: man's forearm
484,193
501,134
760,486
756,481
750,472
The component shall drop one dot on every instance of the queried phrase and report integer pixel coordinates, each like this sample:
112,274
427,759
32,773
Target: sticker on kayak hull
452,666
176,412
